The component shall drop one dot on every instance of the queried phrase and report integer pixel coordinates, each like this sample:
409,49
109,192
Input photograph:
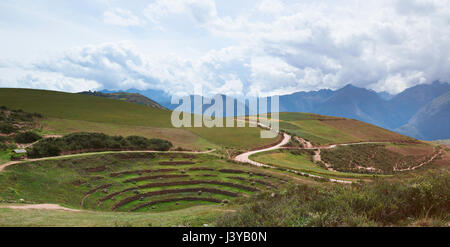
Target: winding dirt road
244,158
10,163
42,206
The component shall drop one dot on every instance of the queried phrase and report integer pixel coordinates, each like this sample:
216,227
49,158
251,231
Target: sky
233,47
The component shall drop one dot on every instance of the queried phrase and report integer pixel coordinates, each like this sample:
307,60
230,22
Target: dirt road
244,158
41,206
10,163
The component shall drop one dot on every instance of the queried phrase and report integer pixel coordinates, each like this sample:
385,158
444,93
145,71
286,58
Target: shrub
27,137
95,141
5,139
7,128
17,156
3,146
380,203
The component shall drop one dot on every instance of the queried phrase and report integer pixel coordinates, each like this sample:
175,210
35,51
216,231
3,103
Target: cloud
23,78
271,6
121,66
420,7
328,44
273,47
121,17
201,10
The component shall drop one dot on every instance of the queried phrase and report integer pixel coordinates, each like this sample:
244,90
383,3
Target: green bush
7,128
4,146
27,137
380,203
94,141
5,139
17,156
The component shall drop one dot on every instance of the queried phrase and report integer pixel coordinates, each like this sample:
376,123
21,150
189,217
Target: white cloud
271,6
272,47
27,78
121,17
201,10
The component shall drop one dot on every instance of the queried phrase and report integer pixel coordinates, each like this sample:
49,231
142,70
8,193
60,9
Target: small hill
159,96
324,130
83,107
128,97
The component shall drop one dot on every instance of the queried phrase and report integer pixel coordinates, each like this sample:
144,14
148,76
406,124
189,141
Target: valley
95,161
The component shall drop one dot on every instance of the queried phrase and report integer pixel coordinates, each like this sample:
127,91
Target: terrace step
173,191
175,200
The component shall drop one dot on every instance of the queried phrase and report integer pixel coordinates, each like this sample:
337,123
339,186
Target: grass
66,181
68,113
383,157
179,137
192,216
5,156
319,133
301,163
82,107
417,201
324,130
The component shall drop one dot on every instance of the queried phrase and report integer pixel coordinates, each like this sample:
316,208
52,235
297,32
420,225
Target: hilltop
128,97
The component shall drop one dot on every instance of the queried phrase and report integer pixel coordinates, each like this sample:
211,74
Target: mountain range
422,111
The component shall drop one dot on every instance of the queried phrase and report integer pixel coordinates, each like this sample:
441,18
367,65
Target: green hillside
67,113
83,107
324,130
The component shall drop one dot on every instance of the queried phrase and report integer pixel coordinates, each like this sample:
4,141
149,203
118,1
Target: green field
325,130
193,216
67,113
5,156
131,189
303,163
77,181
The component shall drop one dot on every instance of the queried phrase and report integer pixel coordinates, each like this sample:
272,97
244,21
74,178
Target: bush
7,128
27,137
5,139
17,156
95,141
380,203
3,147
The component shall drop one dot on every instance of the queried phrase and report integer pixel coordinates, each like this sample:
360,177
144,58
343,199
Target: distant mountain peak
349,85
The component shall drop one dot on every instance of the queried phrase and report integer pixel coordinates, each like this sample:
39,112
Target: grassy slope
301,163
78,112
66,181
415,201
323,130
53,181
194,216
